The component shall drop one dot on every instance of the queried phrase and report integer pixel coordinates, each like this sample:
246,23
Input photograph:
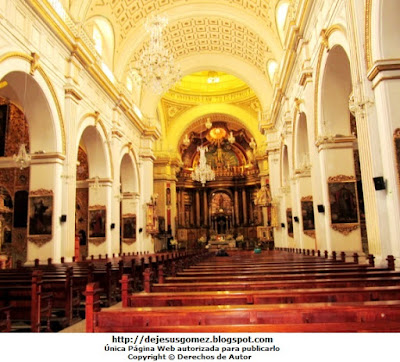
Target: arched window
281,14
272,65
98,40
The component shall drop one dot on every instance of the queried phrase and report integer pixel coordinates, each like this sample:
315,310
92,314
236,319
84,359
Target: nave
275,291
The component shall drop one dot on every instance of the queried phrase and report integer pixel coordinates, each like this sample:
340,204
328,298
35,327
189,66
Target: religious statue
263,197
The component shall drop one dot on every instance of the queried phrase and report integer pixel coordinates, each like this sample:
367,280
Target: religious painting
396,138
289,221
21,209
307,212
97,224
129,228
40,216
343,203
3,128
151,219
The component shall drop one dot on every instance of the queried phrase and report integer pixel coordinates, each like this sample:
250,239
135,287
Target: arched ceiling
235,37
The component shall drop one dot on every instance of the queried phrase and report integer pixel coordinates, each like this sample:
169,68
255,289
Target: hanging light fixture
231,138
23,158
203,172
156,64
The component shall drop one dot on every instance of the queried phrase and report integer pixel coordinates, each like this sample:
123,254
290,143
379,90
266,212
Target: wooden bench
277,296
5,319
29,303
129,319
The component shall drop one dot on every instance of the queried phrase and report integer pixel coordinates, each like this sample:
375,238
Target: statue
263,197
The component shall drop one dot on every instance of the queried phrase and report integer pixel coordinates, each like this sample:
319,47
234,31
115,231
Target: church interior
147,138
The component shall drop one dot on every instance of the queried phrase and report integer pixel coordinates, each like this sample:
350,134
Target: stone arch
384,29
36,96
336,88
285,166
301,146
92,134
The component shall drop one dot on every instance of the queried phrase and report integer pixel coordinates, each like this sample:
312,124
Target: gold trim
29,59
97,207
39,240
385,78
41,192
342,178
73,93
396,135
368,31
96,241
345,229
382,67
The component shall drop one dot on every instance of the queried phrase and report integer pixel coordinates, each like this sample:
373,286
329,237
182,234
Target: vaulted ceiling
237,38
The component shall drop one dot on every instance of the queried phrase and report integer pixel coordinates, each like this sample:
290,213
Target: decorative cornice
384,65
325,140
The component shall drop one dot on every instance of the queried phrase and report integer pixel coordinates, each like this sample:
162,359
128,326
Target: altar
222,241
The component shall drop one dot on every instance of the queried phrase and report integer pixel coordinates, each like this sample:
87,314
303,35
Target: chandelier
203,172
156,64
23,158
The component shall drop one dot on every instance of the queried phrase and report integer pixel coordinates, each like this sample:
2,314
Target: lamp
212,77
203,172
156,64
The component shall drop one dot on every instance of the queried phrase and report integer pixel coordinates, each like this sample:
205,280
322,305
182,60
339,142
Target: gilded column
197,208
236,196
205,205
244,200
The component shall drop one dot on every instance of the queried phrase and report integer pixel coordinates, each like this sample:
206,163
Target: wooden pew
56,281
133,319
5,319
278,296
29,303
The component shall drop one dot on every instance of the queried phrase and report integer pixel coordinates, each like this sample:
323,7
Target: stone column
45,175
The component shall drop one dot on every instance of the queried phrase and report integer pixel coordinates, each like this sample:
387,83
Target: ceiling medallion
156,64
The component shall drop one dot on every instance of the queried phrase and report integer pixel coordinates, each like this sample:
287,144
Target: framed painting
129,228
343,202
289,221
307,213
3,128
40,216
97,224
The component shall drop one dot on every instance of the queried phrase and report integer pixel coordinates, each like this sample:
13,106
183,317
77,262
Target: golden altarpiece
226,206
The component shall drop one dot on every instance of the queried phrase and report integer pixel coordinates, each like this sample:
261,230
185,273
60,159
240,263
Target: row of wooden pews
46,297
276,291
